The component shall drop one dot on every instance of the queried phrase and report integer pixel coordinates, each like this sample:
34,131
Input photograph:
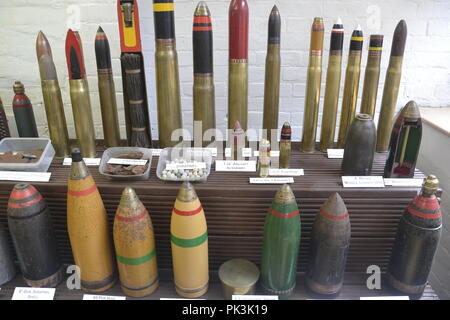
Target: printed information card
87,161
286,172
25,293
98,297
400,182
25,176
363,182
156,152
335,153
128,162
271,180
236,165
185,165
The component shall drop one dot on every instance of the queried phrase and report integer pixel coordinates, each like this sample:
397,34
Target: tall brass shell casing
238,63
272,77
108,106
51,92
167,75
313,83
54,109
351,86
333,84
82,116
391,87
372,75
107,91
203,90
168,93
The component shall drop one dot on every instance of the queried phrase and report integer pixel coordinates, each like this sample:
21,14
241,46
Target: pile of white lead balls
183,174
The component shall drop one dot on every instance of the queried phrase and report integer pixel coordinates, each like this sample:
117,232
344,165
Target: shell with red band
330,240
416,242
87,225
134,242
33,237
281,241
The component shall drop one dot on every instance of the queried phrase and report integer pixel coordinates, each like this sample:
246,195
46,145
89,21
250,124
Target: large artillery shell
203,90
416,242
313,83
135,246
82,116
23,112
272,77
167,77
7,268
189,240
351,86
87,225
54,107
359,147
405,143
372,75
4,127
330,239
391,87
107,91
285,146
34,238
330,104
238,63
281,241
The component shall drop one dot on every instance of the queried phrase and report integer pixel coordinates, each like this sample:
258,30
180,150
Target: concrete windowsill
437,118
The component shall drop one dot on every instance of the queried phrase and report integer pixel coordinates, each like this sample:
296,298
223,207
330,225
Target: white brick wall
426,72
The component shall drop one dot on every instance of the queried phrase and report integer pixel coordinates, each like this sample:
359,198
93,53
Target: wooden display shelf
235,210
354,288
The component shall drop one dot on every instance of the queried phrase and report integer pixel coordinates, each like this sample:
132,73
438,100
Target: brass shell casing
204,103
82,116
108,104
167,92
330,105
388,103
272,89
370,89
285,154
312,98
350,97
54,109
238,93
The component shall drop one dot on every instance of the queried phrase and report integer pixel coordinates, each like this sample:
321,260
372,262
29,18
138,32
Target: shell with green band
189,241
135,246
281,241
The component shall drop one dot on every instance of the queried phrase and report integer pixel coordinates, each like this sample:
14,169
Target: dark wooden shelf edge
354,288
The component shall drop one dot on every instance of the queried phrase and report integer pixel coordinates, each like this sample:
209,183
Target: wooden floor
354,288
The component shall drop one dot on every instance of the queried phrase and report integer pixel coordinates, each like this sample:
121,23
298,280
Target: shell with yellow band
189,240
87,225
135,246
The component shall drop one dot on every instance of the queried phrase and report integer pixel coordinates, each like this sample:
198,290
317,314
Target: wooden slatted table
235,210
